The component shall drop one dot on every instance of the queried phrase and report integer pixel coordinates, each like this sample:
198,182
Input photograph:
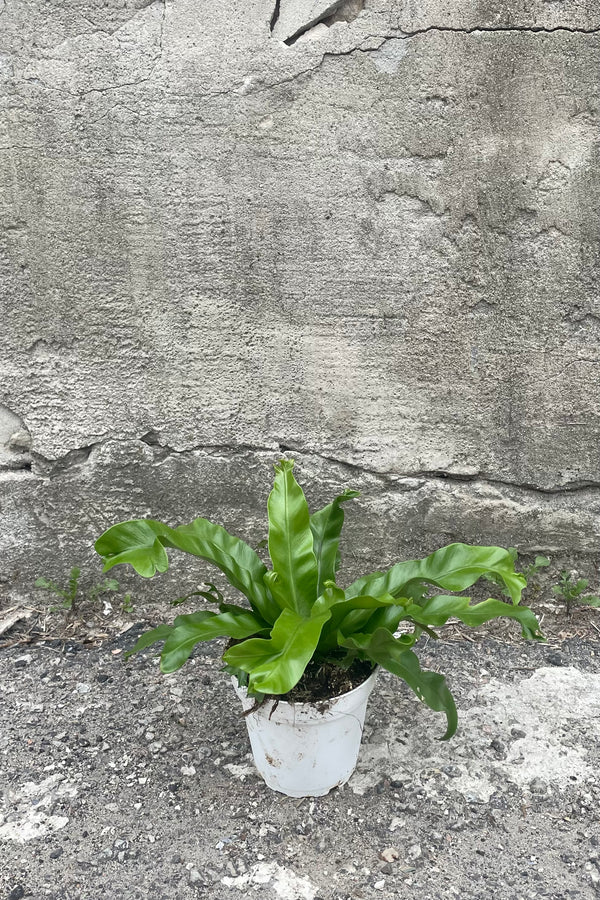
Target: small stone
497,746
537,786
451,771
195,876
83,688
102,678
20,441
517,733
56,853
388,869
555,659
389,854
17,892
188,770
379,885
415,852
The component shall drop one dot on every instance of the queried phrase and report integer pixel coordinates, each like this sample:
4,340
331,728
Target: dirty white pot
305,749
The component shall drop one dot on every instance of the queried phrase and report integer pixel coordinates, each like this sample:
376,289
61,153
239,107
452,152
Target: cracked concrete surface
376,244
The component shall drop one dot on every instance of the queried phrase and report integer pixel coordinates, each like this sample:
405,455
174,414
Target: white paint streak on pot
305,749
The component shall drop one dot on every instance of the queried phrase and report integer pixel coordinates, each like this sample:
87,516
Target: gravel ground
120,782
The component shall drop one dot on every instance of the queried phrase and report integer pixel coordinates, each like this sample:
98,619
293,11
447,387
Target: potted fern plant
300,628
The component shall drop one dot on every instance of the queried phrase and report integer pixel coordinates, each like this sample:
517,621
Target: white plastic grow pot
305,749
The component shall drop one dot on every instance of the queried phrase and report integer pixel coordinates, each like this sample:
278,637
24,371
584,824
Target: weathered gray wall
377,245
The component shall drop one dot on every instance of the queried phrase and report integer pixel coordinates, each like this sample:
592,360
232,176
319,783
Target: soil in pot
323,681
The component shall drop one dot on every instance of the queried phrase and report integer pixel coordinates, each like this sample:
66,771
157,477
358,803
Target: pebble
389,854
21,441
17,892
415,852
537,786
56,853
555,659
195,876
22,661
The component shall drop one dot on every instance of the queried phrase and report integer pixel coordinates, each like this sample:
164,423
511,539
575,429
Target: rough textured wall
366,233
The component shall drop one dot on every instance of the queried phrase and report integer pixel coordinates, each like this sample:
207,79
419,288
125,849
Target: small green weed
532,571
127,604
571,591
72,595
69,595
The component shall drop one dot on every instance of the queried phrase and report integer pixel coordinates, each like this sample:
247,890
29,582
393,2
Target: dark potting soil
323,681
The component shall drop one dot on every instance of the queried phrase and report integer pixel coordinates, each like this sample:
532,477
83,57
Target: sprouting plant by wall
68,595
73,594
571,591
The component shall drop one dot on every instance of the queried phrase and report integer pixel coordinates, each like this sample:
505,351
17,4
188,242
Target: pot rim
307,704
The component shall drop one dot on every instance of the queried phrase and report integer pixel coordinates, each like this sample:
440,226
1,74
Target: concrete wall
375,246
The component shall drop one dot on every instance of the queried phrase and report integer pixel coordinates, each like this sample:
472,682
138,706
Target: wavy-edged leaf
141,542
347,616
189,630
453,568
136,542
291,543
161,633
277,663
326,526
384,649
437,611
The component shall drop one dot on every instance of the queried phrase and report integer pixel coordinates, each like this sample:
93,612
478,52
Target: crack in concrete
113,33
275,16
79,456
407,35
162,27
